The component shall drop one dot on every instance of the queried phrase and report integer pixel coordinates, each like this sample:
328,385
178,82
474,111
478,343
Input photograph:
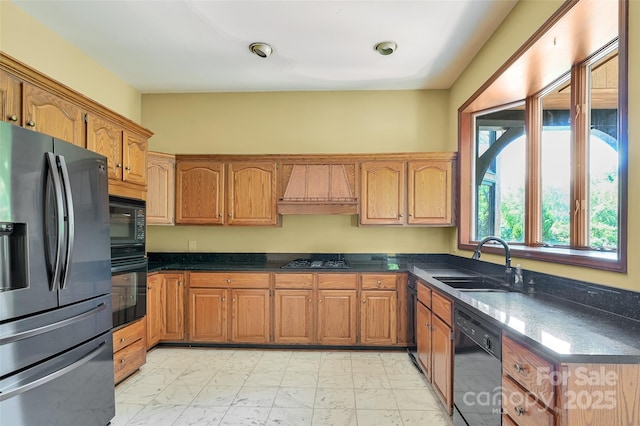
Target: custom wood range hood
318,188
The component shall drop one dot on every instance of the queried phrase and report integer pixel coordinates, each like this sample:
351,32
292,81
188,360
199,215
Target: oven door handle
129,266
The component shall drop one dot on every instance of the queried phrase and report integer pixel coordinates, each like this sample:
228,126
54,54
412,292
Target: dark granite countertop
566,331
562,329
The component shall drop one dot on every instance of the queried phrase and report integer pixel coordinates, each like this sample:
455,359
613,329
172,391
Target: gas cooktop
317,264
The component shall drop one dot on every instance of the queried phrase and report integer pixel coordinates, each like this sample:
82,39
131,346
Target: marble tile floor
205,386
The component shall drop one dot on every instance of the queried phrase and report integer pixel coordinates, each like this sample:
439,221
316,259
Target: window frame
514,83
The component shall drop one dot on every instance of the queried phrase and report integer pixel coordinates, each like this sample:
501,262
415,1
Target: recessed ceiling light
261,49
386,47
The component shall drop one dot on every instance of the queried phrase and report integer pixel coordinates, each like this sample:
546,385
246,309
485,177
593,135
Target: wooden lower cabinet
441,361
337,317
378,317
434,341
293,316
208,315
165,307
423,338
154,310
250,316
129,349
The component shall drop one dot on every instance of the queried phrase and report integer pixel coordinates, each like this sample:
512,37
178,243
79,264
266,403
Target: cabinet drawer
441,307
126,335
524,367
337,281
424,295
522,408
293,280
128,360
379,281
229,279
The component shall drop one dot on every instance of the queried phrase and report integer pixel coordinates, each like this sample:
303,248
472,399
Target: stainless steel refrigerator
56,350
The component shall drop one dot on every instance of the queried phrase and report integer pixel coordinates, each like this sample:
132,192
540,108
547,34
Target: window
544,171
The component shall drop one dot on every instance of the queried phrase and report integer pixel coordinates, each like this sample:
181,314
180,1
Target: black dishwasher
477,373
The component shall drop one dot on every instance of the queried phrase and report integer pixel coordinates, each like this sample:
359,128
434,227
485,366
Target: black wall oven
128,262
128,290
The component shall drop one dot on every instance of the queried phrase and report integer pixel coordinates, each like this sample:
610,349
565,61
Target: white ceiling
202,46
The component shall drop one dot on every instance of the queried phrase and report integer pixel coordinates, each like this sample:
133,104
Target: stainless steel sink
473,284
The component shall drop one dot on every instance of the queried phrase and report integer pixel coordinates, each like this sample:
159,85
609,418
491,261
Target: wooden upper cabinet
10,98
50,114
382,200
105,137
134,156
251,193
199,192
161,176
430,188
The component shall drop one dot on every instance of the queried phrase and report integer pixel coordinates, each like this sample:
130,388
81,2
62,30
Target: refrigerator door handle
59,214
4,394
50,327
66,182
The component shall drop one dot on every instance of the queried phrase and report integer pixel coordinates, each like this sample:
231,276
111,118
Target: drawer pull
520,411
123,339
520,368
122,361
228,280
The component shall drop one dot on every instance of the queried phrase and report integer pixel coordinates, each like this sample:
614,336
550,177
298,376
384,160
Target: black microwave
128,227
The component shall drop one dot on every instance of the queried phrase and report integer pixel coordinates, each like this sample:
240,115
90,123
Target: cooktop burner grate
316,264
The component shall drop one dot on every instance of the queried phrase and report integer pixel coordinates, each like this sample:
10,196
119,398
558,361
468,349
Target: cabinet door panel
441,361
293,319
382,201
161,189
47,113
337,317
10,99
134,157
199,192
423,338
105,138
172,307
154,310
250,316
208,315
430,193
252,194
378,318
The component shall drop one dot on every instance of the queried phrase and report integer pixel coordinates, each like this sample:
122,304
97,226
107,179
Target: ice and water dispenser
13,256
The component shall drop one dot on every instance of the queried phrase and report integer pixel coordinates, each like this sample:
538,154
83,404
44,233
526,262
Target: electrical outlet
192,246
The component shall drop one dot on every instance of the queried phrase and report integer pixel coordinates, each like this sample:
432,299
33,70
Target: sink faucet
507,256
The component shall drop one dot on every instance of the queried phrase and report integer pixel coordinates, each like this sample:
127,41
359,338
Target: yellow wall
523,21
299,122
28,41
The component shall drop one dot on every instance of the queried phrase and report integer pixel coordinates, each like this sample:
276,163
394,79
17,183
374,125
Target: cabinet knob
519,367
228,280
118,166
127,168
220,215
13,118
310,300
519,411
427,325
123,339
400,216
122,361
229,214
319,300
364,301
31,123
379,283
149,288
179,283
233,300
223,299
